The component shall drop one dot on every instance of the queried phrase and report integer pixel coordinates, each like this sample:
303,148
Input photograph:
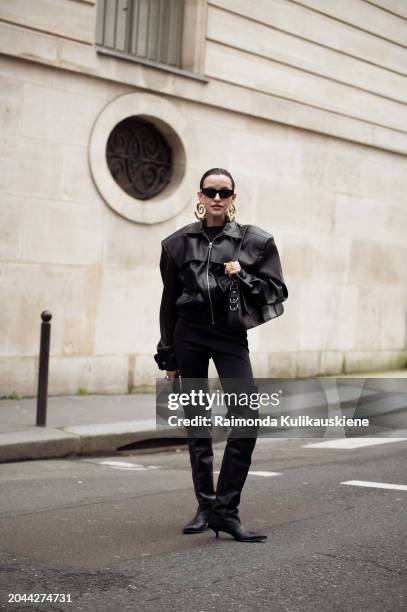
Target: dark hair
216,171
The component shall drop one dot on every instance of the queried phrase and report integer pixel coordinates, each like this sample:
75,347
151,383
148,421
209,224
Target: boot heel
233,527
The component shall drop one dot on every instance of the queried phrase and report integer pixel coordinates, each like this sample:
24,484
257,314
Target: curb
37,443
49,443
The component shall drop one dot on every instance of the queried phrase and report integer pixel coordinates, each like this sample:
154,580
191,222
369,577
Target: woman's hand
232,267
171,374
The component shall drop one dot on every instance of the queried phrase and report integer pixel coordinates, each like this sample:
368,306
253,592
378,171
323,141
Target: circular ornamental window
142,166
139,158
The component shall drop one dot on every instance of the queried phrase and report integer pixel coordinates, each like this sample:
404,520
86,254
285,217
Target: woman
197,266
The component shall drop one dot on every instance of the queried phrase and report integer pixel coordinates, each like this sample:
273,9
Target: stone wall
337,209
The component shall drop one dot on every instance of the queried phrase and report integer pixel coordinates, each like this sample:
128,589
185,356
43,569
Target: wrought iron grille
139,158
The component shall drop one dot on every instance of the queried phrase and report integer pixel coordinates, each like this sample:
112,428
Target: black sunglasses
210,192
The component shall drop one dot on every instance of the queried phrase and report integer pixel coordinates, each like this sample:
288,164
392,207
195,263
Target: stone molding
165,116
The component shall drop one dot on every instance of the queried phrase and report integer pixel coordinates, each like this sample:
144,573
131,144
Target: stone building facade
304,102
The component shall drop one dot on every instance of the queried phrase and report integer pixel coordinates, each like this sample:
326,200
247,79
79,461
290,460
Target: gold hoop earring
231,213
200,211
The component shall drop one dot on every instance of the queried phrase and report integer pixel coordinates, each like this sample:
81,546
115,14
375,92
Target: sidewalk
83,425
76,425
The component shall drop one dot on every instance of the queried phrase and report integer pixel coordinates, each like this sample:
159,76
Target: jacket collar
230,228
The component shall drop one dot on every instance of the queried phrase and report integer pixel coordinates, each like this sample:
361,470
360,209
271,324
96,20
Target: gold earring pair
200,212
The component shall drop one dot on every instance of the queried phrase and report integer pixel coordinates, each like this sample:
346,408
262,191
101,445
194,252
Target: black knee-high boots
201,456
224,514
220,511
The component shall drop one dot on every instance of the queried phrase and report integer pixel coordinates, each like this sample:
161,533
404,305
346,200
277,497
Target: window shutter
149,29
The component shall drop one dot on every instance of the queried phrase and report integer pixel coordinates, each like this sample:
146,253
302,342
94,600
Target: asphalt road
109,534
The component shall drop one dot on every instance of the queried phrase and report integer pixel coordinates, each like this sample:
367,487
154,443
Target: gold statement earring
200,211
231,213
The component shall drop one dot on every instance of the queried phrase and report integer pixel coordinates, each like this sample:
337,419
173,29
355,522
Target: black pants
195,344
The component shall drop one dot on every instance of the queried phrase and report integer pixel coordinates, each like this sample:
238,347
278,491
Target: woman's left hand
232,267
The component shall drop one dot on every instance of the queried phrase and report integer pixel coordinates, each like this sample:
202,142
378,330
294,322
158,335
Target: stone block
331,362
368,318
84,85
266,155
58,17
213,138
128,311
95,374
381,177
77,183
287,205
11,96
327,318
300,255
282,365
57,115
70,293
308,364
260,364
332,257
393,318
143,372
263,74
370,361
375,262
331,165
231,29
30,167
365,16
18,375
11,223
25,70
320,29
62,232
282,333
360,217
125,243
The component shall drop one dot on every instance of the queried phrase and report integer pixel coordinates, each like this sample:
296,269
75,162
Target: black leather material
199,522
233,473
201,457
196,286
232,525
224,514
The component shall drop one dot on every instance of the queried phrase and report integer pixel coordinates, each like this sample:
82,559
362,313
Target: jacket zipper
207,272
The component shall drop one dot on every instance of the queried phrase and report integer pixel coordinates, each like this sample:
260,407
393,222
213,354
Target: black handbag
243,312
235,319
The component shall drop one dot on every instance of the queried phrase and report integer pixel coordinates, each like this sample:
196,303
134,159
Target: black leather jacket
195,283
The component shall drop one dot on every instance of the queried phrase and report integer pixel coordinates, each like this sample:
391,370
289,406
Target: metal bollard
42,394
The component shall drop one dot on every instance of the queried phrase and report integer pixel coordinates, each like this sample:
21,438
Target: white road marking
266,474
121,463
376,485
261,473
350,443
124,465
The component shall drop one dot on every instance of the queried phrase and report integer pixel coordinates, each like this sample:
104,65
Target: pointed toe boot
199,523
224,521
224,514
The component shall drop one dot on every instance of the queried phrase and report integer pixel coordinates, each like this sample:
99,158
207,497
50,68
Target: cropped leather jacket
196,286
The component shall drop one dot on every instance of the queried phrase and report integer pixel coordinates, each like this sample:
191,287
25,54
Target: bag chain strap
234,303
